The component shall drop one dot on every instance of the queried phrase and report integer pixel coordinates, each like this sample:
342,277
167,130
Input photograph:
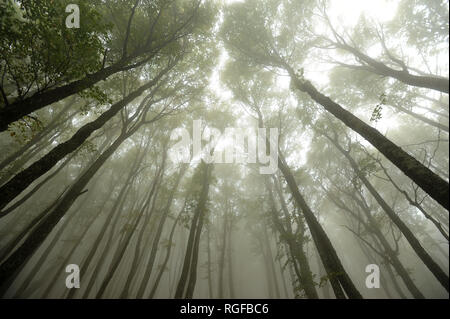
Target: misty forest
99,200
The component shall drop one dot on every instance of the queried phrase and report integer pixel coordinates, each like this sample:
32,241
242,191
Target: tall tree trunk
230,262
120,252
198,231
220,286
19,109
210,288
431,183
339,278
188,277
26,157
295,245
333,266
136,257
37,266
11,245
37,187
270,264
16,110
283,279
322,274
266,262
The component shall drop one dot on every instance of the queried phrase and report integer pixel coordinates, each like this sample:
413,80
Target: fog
224,149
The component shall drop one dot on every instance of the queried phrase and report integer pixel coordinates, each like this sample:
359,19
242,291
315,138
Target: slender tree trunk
339,278
437,102
186,283
38,186
166,258
335,271
322,273
283,280
266,262
155,244
295,246
11,245
19,109
26,157
210,288
121,249
370,259
114,218
222,252
271,265
22,180
440,275
394,281
230,262
198,231
125,240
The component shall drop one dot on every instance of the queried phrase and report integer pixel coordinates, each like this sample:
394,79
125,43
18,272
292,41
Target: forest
222,149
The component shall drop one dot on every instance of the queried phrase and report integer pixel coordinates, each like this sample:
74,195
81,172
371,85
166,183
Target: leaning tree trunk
437,83
304,273
201,208
19,109
186,283
431,183
339,278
